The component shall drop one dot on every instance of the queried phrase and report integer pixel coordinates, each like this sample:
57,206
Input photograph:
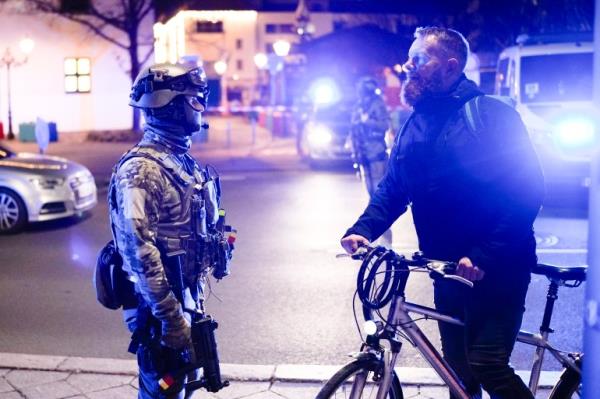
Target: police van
550,80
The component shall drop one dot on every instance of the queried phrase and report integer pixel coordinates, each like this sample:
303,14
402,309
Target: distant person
474,195
164,210
370,123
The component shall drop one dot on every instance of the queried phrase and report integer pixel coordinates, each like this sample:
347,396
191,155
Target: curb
296,373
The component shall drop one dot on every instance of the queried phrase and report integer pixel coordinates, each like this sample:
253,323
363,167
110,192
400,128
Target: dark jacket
472,194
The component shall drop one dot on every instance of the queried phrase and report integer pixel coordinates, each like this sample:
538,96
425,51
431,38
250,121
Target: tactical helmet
156,86
367,87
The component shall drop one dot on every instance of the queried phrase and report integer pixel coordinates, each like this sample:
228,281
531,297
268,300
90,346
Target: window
77,75
238,44
239,64
556,77
209,26
280,28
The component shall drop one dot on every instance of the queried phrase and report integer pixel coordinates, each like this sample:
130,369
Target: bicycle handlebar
439,268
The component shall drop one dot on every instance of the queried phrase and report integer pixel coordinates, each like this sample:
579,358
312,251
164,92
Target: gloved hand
177,333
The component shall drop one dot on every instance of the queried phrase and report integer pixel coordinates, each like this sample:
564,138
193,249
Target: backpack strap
472,115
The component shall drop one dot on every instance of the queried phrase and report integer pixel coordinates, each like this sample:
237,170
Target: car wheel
13,214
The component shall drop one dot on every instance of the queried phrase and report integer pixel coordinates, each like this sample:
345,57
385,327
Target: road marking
561,251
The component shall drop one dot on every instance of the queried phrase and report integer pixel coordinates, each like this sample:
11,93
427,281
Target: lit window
77,75
280,28
209,26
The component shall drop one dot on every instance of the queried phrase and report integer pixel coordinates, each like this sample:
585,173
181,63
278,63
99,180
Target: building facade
71,77
234,37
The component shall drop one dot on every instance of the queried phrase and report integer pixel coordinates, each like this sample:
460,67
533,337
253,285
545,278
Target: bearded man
474,195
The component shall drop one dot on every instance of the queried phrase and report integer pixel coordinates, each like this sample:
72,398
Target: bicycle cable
375,296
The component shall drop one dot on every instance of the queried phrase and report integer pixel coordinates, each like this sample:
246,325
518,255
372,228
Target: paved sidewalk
57,377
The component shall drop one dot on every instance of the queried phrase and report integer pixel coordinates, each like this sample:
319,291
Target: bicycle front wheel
569,384
354,381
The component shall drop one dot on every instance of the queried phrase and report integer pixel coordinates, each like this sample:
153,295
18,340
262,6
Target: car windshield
5,153
556,77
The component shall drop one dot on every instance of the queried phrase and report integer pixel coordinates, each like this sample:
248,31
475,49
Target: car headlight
47,183
319,135
575,133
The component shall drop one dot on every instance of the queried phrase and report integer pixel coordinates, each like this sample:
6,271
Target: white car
35,188
550,79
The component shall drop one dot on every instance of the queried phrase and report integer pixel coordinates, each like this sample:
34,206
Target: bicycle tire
341,380
568,385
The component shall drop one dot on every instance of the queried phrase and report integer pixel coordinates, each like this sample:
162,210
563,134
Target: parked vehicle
36,188
550,79
324,134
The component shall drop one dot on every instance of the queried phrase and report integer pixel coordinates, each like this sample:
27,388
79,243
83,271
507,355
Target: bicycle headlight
370,327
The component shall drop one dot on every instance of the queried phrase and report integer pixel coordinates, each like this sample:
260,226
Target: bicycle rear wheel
569,384
354,381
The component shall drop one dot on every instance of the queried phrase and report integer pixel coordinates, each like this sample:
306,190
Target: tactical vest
181,238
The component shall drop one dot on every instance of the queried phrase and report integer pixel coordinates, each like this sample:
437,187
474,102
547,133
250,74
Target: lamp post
220,68
273,62
9,61
282,49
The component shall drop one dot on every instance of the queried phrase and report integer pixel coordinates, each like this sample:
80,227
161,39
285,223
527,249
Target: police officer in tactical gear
370,122
163,207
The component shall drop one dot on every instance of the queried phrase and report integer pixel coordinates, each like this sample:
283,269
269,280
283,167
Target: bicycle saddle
564,273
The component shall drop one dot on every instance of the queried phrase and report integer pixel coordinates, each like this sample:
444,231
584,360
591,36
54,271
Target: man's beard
418,88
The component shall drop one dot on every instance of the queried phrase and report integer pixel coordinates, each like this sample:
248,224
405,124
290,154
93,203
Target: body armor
186,221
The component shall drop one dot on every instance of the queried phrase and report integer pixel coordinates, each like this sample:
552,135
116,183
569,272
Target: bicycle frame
540,341
399,316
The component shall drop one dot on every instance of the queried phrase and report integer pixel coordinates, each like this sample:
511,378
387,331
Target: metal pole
228,133
10,135
591,337
273,100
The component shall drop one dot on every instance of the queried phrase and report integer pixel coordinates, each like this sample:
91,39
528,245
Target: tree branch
96,29
116,22
145,11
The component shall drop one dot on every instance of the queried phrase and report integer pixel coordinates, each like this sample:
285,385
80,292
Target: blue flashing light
324,91
576,133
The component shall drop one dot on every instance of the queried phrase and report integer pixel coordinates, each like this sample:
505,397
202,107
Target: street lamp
8,60
282,47
274,63
220,68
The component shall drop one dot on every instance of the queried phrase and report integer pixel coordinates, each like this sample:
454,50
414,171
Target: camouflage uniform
370,148
162,206
370,122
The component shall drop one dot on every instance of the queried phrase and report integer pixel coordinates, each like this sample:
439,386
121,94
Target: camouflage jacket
378,121
368,136
151,199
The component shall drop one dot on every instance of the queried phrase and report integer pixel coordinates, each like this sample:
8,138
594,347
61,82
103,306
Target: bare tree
116,21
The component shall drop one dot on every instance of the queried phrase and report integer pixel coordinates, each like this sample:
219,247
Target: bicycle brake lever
338,256
459,279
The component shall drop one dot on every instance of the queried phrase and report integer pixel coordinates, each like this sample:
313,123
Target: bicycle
373,367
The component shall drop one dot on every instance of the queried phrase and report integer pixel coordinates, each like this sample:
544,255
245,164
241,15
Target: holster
146,331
